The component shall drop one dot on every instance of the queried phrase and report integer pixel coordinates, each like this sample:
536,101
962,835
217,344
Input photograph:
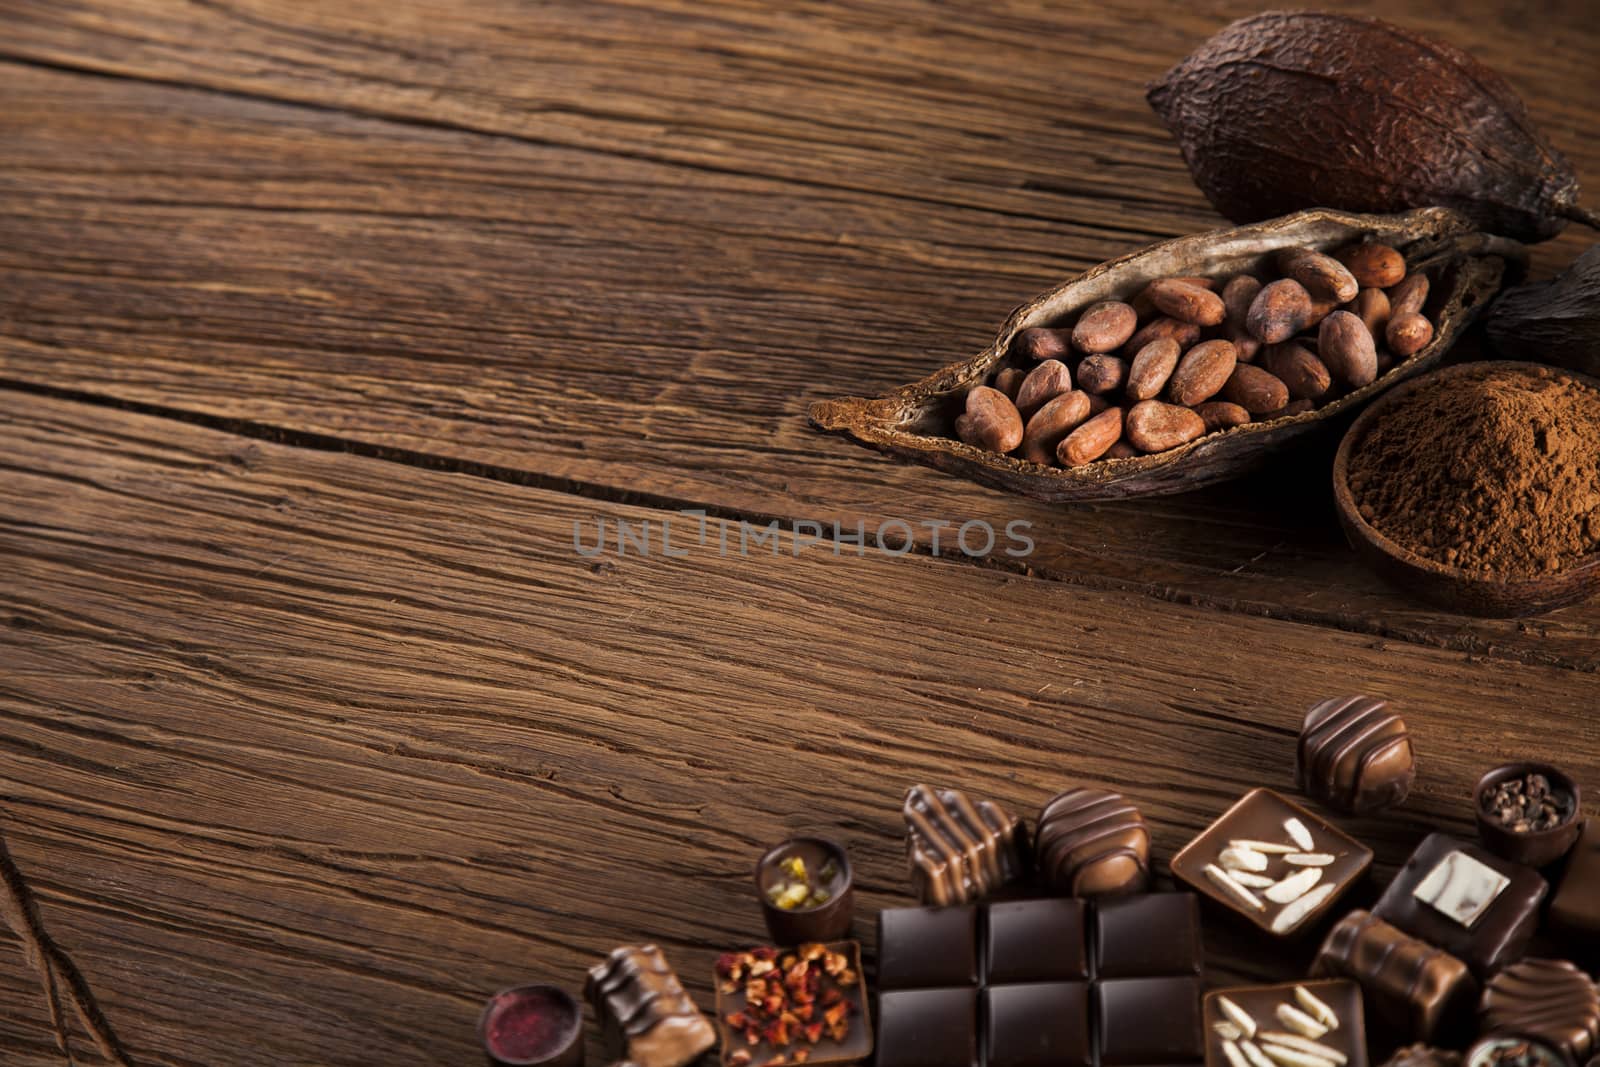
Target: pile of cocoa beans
1188,356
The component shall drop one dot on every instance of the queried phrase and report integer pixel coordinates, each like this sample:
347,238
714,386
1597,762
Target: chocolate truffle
1421,990
1092,843
1550,1000
1476,906
646,1016
1424,1056
961,849
1355,755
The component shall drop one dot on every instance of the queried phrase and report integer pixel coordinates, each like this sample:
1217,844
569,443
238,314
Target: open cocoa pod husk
915,423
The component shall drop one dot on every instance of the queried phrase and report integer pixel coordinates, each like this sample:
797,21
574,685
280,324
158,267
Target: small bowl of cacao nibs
1529,812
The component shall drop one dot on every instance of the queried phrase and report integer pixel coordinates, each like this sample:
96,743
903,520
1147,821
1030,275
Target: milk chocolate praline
1092,843
1355,755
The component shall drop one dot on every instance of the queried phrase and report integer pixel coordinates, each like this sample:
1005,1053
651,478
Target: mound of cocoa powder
1496,473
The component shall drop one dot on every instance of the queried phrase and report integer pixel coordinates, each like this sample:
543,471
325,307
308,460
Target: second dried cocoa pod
1279,311
1155,427
1306,376
990,422
1347,349
1201,372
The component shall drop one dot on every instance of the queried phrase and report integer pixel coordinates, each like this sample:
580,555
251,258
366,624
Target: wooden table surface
323,325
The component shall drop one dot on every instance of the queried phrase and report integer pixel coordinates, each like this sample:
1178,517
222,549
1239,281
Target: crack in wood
54,966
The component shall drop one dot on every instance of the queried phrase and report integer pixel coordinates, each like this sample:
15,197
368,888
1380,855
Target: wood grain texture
623,247
304,759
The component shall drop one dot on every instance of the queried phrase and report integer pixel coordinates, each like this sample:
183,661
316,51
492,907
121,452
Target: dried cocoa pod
1009,380
991,421
1408,334
1324,277
1255,390
1289,110
1104,327
1201,373
1374,265
1553,322
1185,333
1155,427
1051,424
1042,344
1279,311
1306,376
1347,349
1089,442
1151,368
1221,415
1102,374
1408,297
1186,302
1372,308
1044,383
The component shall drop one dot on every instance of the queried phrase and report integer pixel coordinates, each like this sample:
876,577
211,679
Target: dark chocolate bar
1092,843
928,1028
1148,935
922,948
1148,1020
1576,907
1550,1000
1355,755
960,849
1036,941
1476,906
1420,989
645,1014
1037,1024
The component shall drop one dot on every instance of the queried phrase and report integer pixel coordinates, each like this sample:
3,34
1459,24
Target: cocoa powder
1496,473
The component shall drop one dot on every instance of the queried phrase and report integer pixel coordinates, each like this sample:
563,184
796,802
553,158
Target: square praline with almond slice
1285,1023
1271,822
820,986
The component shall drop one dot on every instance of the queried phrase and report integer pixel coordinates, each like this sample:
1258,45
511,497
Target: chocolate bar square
1277,1009
1264,817
1036,941
1466,900
1576,907
924,948
1040,1024
1148,1020
928,1028
1149,935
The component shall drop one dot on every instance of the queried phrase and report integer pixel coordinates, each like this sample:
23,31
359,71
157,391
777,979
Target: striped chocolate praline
961,850
1355,755
1092,843
1550,1000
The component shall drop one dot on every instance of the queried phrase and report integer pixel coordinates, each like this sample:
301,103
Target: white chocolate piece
1308,859
1234,889
1238,1016
1296,913
1234,858
1300,835
1264,846
1295,886
1236,1058
1301,1044
1300,1022
1253,881
1462,888
1316,1008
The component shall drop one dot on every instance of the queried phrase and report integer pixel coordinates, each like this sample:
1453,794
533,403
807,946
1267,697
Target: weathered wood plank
576,317
306,752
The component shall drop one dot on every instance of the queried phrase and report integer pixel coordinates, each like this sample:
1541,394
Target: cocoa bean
1141,300
1102,374
1409,296
1306,376
1279,311
1320,309
1185,333
1104,326
1045,382
1372,308
1408,334
1186,301
1051,424
1009,379
1374,265
1324,277
1236,298
991,421
1121,450
1152,426
1089,441
1151,368
1039,344
1201,372
1221,415
1347,349
1255,390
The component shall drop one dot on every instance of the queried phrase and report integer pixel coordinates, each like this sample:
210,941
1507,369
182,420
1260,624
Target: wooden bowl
1469,592
915,423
